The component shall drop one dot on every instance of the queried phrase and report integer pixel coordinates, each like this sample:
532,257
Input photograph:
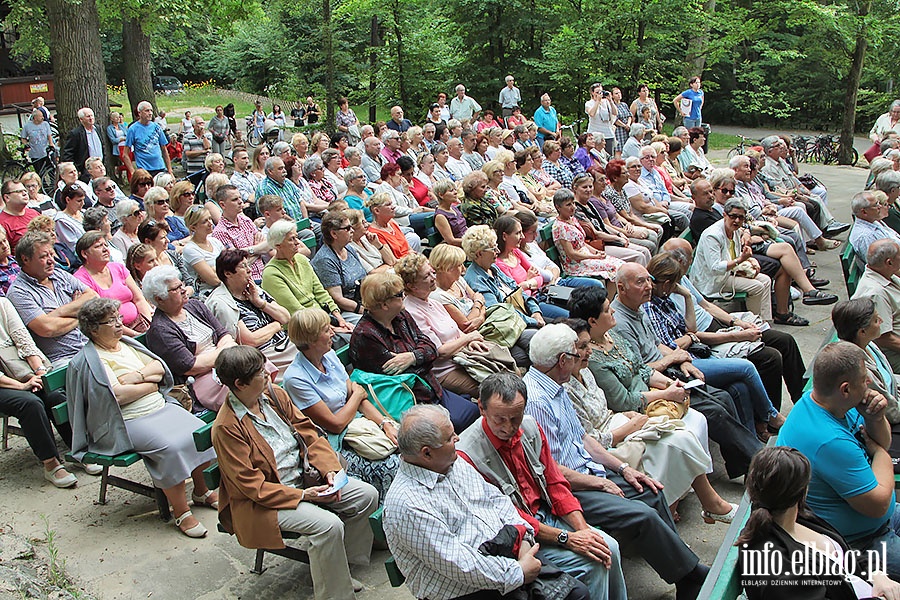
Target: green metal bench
852,269
6,429
390,565
56,380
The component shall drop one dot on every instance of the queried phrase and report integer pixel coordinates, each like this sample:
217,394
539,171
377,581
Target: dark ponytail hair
777,480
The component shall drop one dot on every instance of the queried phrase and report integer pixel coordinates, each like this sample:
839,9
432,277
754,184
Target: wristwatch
562,538
622,468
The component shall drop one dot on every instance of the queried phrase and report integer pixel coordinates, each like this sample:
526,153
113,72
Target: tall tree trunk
401,79
136,65
848,121
696,49
79,74
329,65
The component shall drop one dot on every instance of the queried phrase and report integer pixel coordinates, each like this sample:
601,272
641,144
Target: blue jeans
574,282
600,581
552,311
721,372
691,122
417,222
891,539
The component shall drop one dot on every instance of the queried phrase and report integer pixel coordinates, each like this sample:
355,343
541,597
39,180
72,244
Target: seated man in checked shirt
438,512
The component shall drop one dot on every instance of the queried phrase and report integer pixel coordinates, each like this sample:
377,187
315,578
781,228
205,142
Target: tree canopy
779,62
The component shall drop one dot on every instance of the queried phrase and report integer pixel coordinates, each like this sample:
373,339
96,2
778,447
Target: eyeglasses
137,213
729,191
179,288
735,217
108,188
399,294
164,201
344,228
117,320
188,194
147,183
570,354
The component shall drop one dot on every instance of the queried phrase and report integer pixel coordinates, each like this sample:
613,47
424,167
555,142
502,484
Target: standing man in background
510,97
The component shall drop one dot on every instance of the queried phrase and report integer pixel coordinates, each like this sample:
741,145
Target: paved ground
122,550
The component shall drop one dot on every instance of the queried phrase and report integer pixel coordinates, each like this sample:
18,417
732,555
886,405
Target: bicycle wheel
48,181
736,151
13,170
253,137
54,133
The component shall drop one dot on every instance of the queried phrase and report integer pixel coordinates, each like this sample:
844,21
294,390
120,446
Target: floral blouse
621,374
590,406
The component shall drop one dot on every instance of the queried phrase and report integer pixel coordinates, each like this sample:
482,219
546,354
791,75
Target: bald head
677,244
634,285
882,257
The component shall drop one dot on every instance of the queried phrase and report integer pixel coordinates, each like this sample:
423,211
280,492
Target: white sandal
61,482
197,531
727,518
204,500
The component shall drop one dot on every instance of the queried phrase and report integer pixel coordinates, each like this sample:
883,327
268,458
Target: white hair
420,427
82,112
124,208
144,105
549,342
280,230
155,283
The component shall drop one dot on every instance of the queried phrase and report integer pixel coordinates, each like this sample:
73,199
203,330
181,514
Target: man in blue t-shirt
547,121
841,428
690,104
148,141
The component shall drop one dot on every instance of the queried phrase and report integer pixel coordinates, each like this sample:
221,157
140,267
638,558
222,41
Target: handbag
392,395
208,391
15,366
667,408
700,350
366,439
502,325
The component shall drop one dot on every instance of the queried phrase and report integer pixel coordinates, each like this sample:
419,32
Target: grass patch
195,95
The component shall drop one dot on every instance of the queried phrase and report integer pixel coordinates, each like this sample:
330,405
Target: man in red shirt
528,474
16,215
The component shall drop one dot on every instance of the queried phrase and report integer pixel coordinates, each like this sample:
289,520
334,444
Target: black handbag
700,350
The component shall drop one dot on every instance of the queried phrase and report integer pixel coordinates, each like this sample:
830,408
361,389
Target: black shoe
819,283
688,587
818,297
836,228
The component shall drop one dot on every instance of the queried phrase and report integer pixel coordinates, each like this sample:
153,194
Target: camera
605,94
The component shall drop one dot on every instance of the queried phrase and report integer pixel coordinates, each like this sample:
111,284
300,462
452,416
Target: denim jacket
492,288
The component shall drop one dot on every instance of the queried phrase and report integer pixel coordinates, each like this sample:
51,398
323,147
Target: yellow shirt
127,360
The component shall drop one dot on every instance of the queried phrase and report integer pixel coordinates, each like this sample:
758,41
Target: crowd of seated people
428,261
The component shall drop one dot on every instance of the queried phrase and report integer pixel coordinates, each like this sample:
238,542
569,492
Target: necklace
614,352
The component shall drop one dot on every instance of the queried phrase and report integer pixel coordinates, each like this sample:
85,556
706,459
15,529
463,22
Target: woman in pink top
514,263
112,280
435,322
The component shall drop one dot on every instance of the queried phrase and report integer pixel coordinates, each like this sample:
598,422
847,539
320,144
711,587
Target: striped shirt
549,404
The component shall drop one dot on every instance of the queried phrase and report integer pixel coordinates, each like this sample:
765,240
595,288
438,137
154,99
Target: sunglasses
399,294
735,217
136,213
729,191
108,188
345,228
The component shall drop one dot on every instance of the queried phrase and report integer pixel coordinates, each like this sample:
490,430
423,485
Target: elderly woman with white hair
68,175
334,173
323,190
186,335
632,147
879,165
290,279
130,215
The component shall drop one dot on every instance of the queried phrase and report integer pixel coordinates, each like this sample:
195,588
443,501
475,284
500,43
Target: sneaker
836,227
796,294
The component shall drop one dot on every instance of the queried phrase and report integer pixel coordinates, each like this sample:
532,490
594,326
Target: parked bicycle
15,167
800,145
825,149
742,146
574,129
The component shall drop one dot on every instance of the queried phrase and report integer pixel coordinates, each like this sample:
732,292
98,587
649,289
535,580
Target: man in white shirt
439,511
458,167
510,96
464,108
